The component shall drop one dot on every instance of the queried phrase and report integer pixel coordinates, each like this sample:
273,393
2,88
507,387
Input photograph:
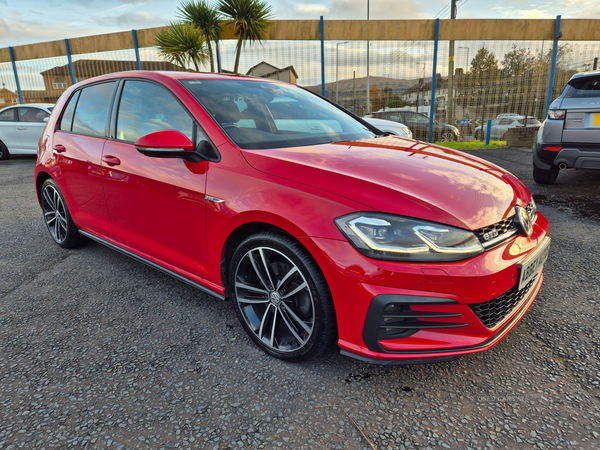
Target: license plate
529,268
596,120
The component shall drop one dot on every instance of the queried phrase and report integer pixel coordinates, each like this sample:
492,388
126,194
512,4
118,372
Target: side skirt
152,264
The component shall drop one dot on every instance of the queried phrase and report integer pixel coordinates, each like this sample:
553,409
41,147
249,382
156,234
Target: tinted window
67,118
8,115
584,87
32,115
92,109
146,107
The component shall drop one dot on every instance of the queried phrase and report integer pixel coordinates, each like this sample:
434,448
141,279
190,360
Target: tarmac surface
100,351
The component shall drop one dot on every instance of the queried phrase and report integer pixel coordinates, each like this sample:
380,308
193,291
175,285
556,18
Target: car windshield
262,115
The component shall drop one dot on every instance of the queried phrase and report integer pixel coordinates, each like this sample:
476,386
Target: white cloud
311,8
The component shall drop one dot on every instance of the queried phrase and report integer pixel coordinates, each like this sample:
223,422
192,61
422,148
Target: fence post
12,58
137,50
322,58
488,132
70,62
433,80
218,56
553,66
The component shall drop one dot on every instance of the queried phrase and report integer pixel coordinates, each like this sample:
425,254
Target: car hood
401,176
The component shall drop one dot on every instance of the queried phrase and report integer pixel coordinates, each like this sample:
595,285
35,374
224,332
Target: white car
388,126
502,125
21,127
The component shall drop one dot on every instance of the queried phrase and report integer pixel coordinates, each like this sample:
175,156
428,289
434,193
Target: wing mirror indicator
167,144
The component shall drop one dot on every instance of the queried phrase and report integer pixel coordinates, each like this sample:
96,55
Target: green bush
472,145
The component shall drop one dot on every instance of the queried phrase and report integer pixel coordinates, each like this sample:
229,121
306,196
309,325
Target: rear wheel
3,151
57,217
545,176
282,299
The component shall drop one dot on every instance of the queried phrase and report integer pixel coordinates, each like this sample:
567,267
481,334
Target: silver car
21,127
387,126
502,124
570,136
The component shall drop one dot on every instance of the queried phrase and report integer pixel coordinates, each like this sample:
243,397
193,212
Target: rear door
77,146
8,129
582,102
30,127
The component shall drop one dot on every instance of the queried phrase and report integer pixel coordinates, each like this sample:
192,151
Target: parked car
320,229
21,128
387,126
502,125
419,125
570,136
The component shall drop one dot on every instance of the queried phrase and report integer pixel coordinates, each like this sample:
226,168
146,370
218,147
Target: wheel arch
39,181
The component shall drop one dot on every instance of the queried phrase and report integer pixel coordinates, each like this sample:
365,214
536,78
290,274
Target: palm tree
181,42
206,19
249,19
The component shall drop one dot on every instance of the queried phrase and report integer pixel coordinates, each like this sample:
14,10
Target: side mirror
167,144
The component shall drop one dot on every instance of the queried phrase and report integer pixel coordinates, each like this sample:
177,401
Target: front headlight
397,238
407,131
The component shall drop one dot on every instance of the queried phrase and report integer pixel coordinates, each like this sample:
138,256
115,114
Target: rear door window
91,114
145,108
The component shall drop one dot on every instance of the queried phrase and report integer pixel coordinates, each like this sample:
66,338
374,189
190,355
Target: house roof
275,71
95,67
262,62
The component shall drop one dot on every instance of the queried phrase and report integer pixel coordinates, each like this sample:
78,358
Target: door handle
59,148
111,160
21,128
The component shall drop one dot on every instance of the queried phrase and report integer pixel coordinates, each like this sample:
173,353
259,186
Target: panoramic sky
31,21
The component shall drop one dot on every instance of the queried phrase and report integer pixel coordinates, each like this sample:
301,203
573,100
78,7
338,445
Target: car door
8,129
30,127
156,204
77,148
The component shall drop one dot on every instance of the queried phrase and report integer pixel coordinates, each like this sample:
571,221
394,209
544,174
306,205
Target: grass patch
472,145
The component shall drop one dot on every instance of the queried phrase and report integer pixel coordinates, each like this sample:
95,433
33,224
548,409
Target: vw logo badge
275,298
523,221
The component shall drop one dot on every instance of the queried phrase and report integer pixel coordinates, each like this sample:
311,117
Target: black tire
3,151
281,297
479,136
57,217
545,176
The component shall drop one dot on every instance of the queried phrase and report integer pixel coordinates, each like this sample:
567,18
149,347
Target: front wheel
447,136
57,217
282,299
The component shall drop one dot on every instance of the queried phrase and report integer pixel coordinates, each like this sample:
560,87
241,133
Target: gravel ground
99,351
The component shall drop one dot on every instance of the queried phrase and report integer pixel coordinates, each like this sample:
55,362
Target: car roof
591,73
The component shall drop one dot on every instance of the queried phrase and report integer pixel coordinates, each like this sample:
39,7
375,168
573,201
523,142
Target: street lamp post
337,49
368,94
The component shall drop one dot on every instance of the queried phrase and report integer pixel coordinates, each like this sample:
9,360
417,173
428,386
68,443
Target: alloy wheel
274,299
55,213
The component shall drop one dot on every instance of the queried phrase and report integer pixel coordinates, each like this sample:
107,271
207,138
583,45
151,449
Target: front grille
494,231
496,310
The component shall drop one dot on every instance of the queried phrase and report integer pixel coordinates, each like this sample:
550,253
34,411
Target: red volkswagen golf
317,226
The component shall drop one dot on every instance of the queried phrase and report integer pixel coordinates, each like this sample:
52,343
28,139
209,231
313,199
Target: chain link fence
496,80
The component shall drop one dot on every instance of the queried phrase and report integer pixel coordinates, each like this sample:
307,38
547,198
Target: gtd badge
523,221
